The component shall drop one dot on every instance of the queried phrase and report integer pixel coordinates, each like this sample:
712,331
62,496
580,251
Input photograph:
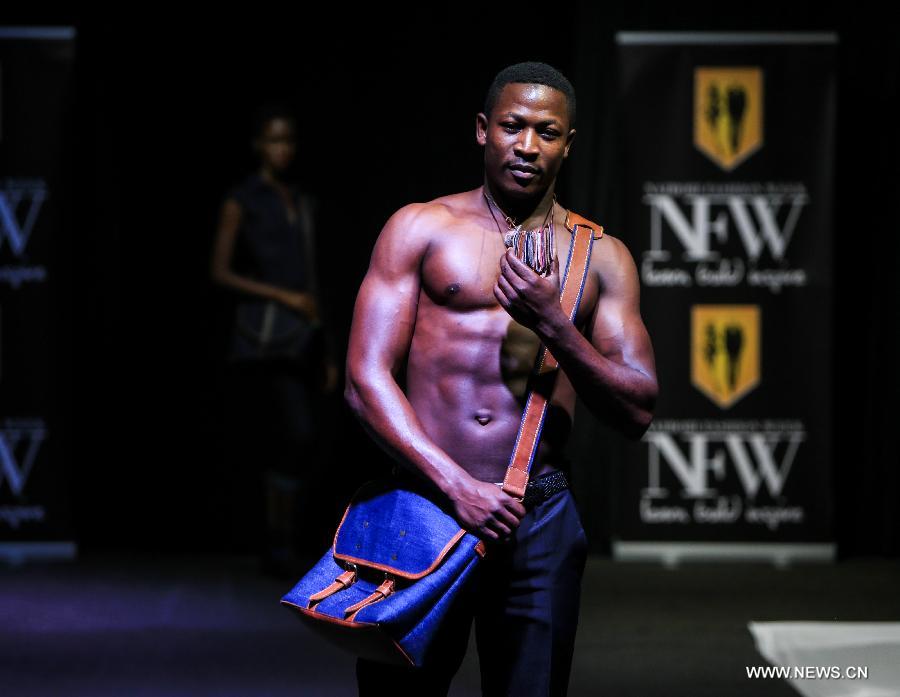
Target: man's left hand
528,297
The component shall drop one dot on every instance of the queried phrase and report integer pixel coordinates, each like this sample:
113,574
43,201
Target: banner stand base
21,552
674,553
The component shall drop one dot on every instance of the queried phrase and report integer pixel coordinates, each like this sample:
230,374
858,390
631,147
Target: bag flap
390,527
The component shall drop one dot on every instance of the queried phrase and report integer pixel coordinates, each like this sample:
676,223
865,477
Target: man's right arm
384,319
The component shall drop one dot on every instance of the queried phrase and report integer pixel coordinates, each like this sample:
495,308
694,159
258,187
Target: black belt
537,491
542,488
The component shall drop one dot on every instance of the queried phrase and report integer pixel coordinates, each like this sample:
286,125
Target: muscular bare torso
468,359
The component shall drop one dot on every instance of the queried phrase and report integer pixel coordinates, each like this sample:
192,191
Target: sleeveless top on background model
273,249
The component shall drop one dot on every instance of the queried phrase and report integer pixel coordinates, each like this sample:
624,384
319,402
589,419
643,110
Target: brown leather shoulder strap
573,219
543,378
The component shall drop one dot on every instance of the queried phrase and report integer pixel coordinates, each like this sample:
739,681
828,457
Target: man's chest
461,269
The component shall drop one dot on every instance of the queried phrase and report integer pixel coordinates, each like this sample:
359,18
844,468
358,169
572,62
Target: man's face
525,139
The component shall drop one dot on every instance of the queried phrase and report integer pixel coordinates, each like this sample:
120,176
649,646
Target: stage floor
135,626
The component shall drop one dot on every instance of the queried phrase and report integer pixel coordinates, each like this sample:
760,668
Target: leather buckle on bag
342,582
383,591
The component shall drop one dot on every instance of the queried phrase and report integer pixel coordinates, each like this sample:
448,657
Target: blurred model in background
280,360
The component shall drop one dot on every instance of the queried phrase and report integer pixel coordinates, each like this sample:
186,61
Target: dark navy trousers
524,600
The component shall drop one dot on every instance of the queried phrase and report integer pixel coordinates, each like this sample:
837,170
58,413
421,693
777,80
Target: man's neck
529,213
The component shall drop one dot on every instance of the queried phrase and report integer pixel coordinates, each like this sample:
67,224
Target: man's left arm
613,371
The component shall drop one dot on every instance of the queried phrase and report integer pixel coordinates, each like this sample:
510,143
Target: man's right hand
484,509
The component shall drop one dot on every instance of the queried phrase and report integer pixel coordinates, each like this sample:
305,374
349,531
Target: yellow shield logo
725,342
728,109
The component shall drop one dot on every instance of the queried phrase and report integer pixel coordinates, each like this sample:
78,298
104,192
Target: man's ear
481,124
569,138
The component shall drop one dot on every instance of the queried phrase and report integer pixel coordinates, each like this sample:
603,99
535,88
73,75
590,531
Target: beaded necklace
534,247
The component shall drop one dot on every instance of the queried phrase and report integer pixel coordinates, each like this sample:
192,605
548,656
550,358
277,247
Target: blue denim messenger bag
400,558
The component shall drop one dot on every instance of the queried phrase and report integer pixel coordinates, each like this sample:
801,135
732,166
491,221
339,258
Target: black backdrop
386,104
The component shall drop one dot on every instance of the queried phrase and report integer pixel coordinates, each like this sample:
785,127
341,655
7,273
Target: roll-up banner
728,177
36,76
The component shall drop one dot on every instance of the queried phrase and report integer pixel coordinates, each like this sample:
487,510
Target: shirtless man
444,296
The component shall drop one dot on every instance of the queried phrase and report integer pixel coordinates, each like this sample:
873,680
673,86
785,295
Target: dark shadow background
386,104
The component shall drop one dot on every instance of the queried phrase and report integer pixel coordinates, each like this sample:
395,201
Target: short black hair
269,111
531,72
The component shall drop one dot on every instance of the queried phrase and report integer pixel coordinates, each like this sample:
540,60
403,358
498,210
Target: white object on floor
836,652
